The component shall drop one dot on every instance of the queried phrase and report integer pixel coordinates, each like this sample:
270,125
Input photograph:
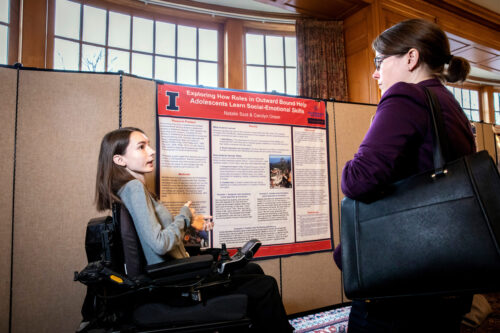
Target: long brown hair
430,41
110,176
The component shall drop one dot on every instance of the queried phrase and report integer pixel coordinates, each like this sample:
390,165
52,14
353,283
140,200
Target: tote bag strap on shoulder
440,141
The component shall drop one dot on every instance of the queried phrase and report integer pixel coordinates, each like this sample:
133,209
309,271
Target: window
468,100
94,39
271,63
4,31
496,107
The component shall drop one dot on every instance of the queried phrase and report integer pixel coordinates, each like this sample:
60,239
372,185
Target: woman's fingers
201,222
209,225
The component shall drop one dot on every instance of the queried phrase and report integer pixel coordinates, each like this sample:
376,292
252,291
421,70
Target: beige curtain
321,68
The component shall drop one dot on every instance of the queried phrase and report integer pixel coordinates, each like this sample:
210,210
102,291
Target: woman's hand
200,222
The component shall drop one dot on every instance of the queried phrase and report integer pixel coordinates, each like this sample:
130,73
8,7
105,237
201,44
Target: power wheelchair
126,295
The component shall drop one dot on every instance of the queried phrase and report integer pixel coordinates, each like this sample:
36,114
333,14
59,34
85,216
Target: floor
492,323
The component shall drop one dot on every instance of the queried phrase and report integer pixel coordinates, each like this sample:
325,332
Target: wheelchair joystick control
240,258
224,255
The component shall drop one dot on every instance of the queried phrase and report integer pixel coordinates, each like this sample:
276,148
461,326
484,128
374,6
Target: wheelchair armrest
196,250
96,272
213,251
193,249
180,269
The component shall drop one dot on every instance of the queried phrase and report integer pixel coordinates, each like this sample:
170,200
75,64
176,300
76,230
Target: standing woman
409,56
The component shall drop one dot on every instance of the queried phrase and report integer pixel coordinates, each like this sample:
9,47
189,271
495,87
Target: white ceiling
493,5
246,4
484,74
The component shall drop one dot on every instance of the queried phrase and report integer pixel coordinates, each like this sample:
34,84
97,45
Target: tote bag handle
440,142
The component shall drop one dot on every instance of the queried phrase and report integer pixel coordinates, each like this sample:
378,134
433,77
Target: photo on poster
280,171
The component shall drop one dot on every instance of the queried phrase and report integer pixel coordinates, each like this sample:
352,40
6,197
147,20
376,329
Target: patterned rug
334,320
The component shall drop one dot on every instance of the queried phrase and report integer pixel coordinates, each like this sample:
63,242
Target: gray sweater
161,236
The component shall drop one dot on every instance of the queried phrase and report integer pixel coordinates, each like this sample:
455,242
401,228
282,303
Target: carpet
334,320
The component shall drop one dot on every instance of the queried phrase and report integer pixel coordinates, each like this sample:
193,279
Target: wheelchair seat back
133,256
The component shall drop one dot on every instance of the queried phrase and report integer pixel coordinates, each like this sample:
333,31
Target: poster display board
257,163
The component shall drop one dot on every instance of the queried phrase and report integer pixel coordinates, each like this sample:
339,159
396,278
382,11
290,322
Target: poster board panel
478,130
62,118
138,110
310,282
489,139
351,123
271,267
334,186
8,88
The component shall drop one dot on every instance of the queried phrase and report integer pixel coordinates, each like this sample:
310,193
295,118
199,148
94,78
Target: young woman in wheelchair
125,158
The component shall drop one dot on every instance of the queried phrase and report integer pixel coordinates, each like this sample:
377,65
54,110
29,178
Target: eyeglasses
378,61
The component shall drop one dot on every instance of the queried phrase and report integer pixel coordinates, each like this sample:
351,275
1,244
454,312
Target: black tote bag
435,233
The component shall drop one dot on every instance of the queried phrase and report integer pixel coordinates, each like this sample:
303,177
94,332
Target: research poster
255,162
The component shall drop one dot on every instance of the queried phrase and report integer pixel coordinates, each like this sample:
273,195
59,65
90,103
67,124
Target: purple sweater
398,143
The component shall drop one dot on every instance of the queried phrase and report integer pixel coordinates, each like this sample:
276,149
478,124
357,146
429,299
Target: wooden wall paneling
34,33
360,83
8,88
62,118
358,36
483,41
450,22
234,55
392,12
336,10
487,107
310,281
13,47
470,11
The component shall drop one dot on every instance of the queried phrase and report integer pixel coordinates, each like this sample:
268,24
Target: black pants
409,315
265,307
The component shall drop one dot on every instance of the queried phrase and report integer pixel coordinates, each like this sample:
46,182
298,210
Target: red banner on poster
174,100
